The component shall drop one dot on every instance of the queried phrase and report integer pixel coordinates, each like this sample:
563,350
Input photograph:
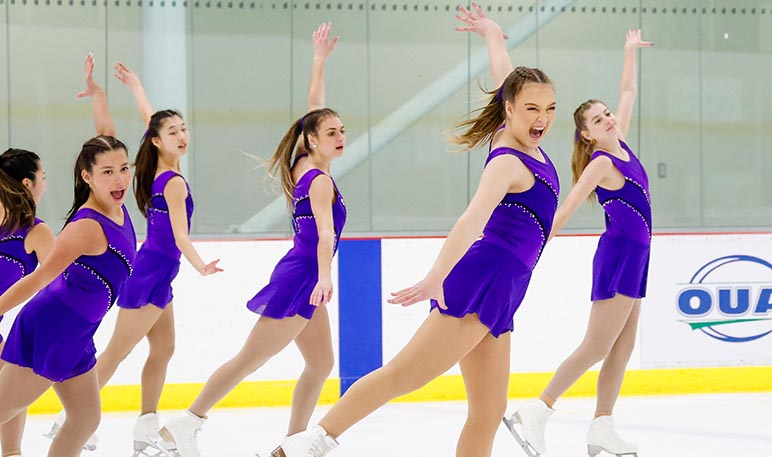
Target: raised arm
628,87
496,180
322,49
83,237
103,122
131,80
175,194
479,23
593,175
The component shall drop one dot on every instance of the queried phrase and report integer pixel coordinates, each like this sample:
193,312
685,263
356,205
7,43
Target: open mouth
118,194
536,133
339,148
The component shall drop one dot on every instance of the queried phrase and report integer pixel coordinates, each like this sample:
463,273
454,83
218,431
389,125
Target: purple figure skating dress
158,260
53,333
621,263
289,291
490,280
15,262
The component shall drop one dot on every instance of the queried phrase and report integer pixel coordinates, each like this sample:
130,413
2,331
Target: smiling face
530,115
109,178
600,125
172,137
329,141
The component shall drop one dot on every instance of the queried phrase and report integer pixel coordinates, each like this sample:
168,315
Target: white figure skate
147,438
182,431
532,417
314,442
602,437
90,445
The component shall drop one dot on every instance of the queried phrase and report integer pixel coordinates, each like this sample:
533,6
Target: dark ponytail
85,162
146,163
16,199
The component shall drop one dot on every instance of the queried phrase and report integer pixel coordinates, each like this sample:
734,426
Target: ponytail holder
300,124
576,135
499,94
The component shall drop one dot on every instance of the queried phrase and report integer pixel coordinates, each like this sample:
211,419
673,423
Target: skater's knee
85,421
321,367
162,351
403,380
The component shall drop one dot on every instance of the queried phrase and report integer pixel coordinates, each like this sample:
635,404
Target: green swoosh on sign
701,324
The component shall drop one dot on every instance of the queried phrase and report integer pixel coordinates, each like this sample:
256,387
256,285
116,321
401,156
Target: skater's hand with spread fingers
127,77
92,88
321,40
426,289
210,268
633,40
322,292
477,22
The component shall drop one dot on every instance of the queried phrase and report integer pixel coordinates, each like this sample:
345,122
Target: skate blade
593,451
157,443
529,450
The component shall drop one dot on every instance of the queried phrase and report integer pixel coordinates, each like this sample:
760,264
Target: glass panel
669,107
5,124
240,64
736,109
48,44
417,184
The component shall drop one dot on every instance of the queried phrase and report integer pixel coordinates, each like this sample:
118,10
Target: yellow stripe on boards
445,388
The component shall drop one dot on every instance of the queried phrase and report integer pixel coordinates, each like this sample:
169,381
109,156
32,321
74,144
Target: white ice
737,425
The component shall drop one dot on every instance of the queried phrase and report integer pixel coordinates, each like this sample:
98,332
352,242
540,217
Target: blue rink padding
359,309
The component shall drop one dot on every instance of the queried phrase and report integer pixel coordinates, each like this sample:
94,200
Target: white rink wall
212,320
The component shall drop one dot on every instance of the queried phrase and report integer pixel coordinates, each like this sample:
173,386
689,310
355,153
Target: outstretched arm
480,24
103,122
131,80
322,49
593,175
628,87
497,177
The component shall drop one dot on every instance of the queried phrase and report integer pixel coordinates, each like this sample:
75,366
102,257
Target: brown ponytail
481,128
583,148
15,198
280,164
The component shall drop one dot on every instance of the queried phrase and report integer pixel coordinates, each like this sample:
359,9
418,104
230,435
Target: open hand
477,22
426,289
633,40
321,40
92,87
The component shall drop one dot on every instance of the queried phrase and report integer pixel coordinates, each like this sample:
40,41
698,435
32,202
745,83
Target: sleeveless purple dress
158,260
491,279
15,262
621,263
54,332
289,290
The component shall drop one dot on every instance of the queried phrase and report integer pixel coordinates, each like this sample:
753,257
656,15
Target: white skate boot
90,445
147,438
314,442
603,437
532,417
182,431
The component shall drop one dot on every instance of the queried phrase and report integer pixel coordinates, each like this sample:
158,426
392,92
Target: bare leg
80,397
315,344
437,345
19,386
612,372
486,377
268,337
131,326
161,339
607,319
12,431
